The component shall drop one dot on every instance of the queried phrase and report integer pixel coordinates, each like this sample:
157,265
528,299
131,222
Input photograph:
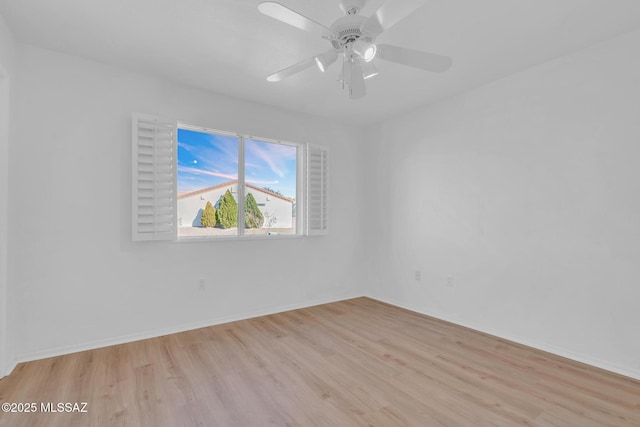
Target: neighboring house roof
227,184
206,190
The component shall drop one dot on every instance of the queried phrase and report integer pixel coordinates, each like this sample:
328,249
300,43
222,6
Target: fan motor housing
346,30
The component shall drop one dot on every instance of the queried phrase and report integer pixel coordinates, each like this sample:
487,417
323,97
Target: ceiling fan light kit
369,70
365,50
353,36
324,60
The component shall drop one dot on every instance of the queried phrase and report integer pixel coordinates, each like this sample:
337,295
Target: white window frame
305,185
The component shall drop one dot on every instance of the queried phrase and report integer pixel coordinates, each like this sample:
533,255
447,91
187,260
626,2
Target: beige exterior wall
278,213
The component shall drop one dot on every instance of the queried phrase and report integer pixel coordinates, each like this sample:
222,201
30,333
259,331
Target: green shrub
253,218
227,213
208,218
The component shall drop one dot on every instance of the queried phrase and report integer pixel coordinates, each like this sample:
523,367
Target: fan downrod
352,7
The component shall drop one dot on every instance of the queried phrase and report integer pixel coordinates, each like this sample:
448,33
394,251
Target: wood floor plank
358,362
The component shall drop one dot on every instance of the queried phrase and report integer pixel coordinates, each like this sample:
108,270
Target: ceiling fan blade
415,58
292,69
293,18
357,88
389,14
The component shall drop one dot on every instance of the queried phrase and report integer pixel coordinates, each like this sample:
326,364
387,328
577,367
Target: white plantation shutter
154,179
317,190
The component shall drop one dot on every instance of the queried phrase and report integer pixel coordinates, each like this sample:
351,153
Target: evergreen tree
208,218
227,213
253,218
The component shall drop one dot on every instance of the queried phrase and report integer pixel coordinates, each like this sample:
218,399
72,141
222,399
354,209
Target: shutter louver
154,179
317,190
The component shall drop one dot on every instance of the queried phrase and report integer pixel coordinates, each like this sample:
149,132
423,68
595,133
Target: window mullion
241,190
301,171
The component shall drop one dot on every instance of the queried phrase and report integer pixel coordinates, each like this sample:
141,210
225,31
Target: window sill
238,238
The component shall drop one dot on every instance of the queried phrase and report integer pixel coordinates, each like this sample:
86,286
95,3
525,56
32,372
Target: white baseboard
92,345
626,371
8,369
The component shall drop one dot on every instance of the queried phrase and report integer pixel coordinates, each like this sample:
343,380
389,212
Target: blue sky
205,160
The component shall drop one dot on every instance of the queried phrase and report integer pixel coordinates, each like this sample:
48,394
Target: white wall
6,73
526,191
83,282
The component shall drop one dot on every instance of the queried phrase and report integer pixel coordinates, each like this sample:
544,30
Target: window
271,187
208,185
207,177
191,183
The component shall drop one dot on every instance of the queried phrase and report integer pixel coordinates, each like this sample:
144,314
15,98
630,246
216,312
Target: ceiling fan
353,37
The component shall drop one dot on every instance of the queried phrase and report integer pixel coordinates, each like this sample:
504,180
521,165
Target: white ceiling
227,46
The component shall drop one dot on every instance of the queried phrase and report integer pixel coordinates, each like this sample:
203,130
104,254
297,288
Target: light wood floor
358,362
